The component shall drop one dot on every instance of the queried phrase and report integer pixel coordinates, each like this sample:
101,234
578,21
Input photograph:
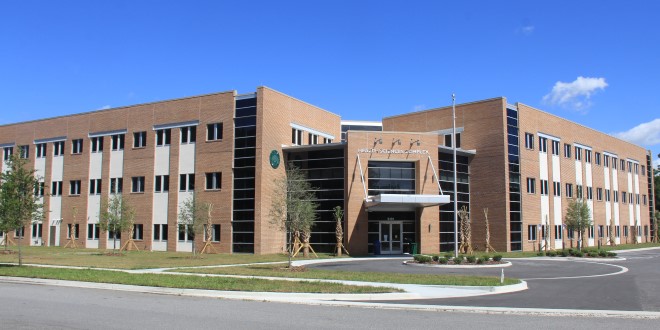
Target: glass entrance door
390,237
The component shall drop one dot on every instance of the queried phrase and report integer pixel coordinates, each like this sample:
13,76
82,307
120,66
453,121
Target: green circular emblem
274,159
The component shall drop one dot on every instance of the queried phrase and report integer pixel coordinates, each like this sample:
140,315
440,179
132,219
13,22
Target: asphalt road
27,306
554,284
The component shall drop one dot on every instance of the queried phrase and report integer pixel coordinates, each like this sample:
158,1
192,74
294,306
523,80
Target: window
19,232
162,183
559,233
111,234
607,195
138,184
544,185
569,234
97,144
116,185
579,191
95,186
24,151
556,188
8,151
578,153
58,148
160,233
163,137
606,160
644,199
590,193
543,144
597,158
529,140
77,146
56,188
629,167
314,139
599,194
76,232
187,182
636,167
39,190
555,148
531,185
616,196
637,199
185,233
92,231
74,187
630,197
448,140
214,132
614,162
326,140
567,150
213,181
296,136
569,190
215,233
624,198
531,232
625,231
587,156
188,134
139,139
623,165
618,231
118,142
601,231
41,150
643,170
591,231
138,232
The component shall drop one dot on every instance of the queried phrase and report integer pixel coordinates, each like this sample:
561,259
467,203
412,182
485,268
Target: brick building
393,179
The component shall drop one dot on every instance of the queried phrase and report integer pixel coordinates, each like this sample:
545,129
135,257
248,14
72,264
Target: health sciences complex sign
392,151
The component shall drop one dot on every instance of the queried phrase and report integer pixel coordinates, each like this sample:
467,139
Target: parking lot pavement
632,284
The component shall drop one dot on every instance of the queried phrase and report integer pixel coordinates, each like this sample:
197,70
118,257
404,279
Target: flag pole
453,144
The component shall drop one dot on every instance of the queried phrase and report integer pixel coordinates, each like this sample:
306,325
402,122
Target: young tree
293,207
19,205
193,215
116,216
339,230
578,218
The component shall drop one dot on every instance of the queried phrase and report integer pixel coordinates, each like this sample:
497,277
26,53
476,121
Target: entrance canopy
404,202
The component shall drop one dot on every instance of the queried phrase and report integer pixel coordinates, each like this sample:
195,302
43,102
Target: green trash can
413,249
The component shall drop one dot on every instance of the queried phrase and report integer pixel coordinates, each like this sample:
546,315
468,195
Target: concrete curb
505,264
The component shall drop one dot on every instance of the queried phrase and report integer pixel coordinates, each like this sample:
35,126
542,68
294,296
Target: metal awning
404,202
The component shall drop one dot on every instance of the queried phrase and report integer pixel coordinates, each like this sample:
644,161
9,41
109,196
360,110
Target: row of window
579,152
161,184
163,138
159,233
603,231
297,138
579,191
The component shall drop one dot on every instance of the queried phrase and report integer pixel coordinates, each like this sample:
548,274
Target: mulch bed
8,252
464,263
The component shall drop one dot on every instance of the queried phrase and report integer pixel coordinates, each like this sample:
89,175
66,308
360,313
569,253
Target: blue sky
588,61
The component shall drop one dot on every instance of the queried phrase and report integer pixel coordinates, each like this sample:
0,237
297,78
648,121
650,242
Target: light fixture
378,141
415,142
396,141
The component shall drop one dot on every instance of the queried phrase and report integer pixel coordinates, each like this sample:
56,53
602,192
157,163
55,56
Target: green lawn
186,282
131,260
280,271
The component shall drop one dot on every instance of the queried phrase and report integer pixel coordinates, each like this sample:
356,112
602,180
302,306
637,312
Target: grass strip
379,277
186,282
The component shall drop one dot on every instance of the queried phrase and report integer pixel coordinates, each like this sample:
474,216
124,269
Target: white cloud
526,30
576,94
646,134
105,107
419,107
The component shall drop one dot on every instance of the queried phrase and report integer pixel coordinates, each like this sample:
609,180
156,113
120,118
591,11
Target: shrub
449,255
443,261
540,254
458,260
593,254
480,261
435,258
471,259
497,257
552,253
422,259
611,254
602,253
564,253
578,254
485,257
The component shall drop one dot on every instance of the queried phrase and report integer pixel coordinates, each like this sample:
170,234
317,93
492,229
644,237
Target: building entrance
391,238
